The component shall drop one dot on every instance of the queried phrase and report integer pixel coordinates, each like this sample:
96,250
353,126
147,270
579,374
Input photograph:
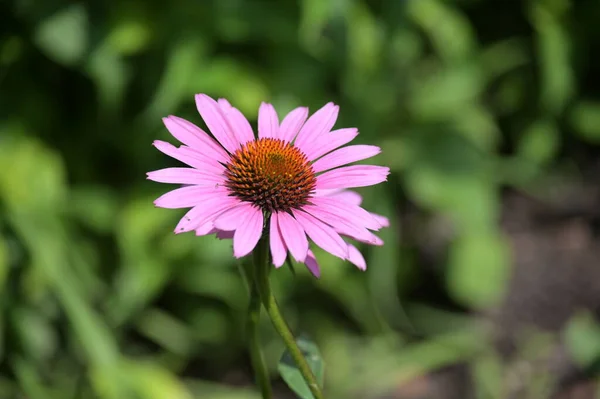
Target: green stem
252,323
261,270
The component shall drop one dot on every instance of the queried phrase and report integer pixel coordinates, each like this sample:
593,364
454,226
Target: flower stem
259,366
261,273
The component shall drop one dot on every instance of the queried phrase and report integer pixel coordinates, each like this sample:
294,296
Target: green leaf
479,269
540,142
585,119
292,376
64,36
582,337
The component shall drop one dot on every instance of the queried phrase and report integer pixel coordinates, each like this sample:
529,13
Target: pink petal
189,156
231,218
318,124
350,197
205,229
312,265
268,121
341,225
368,238
291,124
382,220
345,156
248,233
353,176
191,135
189,196
330,141
278,249
356,257
347,211
186,176
293,235
204,213
237,122
216,122
322,235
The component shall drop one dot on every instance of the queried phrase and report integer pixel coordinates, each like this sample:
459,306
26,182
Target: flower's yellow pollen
272,174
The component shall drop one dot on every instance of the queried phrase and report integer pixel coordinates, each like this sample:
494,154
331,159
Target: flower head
292,176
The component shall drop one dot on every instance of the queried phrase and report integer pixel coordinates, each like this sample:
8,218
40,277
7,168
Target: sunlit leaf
479,267
291,374
64,36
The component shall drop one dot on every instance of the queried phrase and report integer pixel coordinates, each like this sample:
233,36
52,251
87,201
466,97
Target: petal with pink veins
188,156
268,121
278,249
344,156
353,176
320,123
231,218
248,233
355,257
213,116
204,213
293,235
312,265
186,176
194,137
344,210
322,234
348,196
237,122
342,226
329,142
189,196
291,124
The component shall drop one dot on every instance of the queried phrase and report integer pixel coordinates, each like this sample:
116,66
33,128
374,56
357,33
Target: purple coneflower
293,172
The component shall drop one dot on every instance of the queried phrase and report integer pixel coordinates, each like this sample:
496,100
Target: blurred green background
488,113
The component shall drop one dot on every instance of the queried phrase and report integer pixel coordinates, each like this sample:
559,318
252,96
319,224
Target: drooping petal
382,220
355,257
344,156
189,196
191,135
318,124
329,142
312,265
189,156
268,121
186,176
230,219
205,228
293,235
204,213
237,122
278,249
341,225
347,211
353,176
322,234
372,239
216,122
291,124
248,233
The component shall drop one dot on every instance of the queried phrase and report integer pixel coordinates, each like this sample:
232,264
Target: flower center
271,174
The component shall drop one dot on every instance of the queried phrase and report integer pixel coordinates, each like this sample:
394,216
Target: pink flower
293,172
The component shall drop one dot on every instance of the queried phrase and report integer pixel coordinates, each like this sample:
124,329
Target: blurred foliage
100,299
